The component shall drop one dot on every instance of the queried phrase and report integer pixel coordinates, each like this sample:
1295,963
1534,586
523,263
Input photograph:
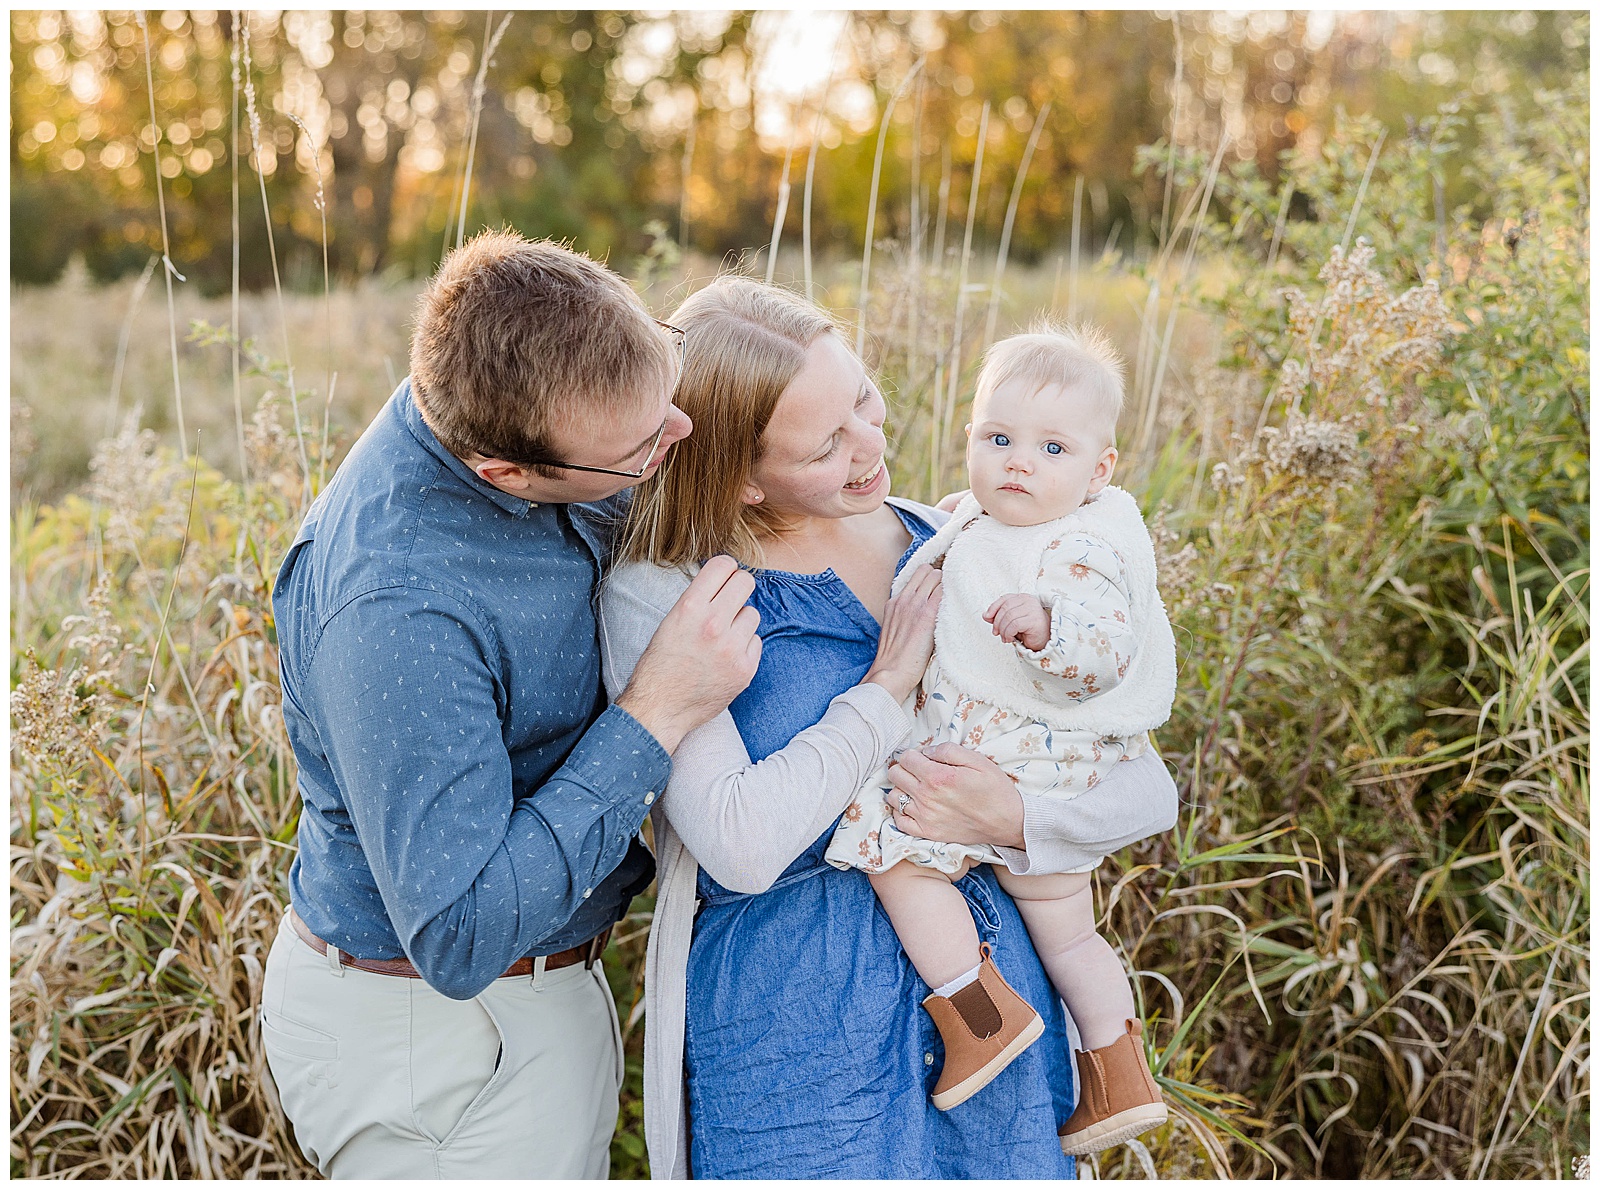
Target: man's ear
501,474
1103,469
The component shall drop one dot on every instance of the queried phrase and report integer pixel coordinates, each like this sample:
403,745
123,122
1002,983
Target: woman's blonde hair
744,343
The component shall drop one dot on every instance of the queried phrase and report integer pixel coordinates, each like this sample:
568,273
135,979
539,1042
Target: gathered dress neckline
829,582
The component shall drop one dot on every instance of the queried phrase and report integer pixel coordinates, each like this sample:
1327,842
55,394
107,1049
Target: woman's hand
954,795
906,641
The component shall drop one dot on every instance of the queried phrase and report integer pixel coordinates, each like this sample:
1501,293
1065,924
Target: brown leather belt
587,953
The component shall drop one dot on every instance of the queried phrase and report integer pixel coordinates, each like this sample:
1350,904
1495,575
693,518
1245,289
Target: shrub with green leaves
1382,586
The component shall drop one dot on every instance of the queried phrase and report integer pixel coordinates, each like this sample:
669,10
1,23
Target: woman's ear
752,494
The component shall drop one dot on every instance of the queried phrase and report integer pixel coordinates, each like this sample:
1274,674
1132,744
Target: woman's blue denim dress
808,1052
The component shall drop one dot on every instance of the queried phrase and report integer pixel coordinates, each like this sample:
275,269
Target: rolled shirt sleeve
473,871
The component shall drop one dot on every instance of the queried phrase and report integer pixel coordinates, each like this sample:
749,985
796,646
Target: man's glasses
678,337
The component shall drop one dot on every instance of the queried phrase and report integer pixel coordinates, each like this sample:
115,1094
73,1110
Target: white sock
959,982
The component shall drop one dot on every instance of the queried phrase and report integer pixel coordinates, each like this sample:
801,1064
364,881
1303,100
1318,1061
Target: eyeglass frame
680,336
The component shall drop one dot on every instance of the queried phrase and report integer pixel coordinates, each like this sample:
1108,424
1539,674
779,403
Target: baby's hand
1020,618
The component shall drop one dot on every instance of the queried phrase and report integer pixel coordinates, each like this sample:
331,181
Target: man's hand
704,653
955,795
1020,618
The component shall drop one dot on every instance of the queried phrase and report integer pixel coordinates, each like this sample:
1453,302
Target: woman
785,1033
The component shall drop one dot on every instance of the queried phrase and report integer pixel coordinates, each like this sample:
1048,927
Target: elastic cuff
1052,648
1035,657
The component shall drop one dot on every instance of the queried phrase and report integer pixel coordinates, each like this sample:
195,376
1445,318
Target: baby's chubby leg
931,917
984,1024
1059,913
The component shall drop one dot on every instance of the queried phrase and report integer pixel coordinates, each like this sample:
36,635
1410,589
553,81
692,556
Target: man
433,1004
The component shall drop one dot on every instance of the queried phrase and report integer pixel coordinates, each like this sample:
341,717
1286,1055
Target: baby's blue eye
1000,440
1054,448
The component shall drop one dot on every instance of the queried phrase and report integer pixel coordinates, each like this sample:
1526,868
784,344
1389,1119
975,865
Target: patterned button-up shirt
469,798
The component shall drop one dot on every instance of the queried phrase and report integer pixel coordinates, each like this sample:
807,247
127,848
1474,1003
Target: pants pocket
455,1069
299,1056
616,1023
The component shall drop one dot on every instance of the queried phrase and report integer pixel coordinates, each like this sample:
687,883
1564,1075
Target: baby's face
1036,454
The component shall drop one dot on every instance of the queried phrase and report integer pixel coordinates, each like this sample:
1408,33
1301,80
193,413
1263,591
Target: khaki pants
383,1077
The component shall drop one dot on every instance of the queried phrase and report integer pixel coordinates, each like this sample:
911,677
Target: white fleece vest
985,559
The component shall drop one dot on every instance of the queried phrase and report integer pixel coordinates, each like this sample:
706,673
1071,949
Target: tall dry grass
64,350
1364,950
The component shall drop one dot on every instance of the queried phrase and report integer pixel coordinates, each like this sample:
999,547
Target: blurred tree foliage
596,123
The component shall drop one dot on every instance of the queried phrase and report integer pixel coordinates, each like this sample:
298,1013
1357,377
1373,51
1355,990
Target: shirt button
648,798
587,891
927,1059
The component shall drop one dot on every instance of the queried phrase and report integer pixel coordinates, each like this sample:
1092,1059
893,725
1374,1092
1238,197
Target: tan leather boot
985,1026
1118,1100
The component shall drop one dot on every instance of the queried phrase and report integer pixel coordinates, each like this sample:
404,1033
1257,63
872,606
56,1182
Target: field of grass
68,393
1361,439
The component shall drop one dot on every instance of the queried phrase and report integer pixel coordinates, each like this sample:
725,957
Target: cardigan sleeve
1137,800
745,823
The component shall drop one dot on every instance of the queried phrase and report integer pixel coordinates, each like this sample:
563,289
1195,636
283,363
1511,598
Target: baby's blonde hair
1078,357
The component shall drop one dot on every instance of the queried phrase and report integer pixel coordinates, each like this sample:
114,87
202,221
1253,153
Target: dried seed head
1318,452
100,638
133,481
271,447
49,708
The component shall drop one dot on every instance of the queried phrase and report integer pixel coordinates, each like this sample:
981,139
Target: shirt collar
406,404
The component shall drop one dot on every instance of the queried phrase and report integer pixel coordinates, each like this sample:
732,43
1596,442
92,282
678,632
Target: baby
1053,657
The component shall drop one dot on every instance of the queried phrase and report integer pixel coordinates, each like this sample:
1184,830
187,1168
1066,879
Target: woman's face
824,444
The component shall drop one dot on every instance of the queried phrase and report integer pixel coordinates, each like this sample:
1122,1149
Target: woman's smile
868,482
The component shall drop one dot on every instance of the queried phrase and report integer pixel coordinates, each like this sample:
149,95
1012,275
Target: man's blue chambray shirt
469,798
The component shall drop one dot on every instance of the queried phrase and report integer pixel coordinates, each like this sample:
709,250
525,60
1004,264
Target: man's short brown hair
515,336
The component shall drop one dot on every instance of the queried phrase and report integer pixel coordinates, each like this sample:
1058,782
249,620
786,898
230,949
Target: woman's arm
745,823
960,796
